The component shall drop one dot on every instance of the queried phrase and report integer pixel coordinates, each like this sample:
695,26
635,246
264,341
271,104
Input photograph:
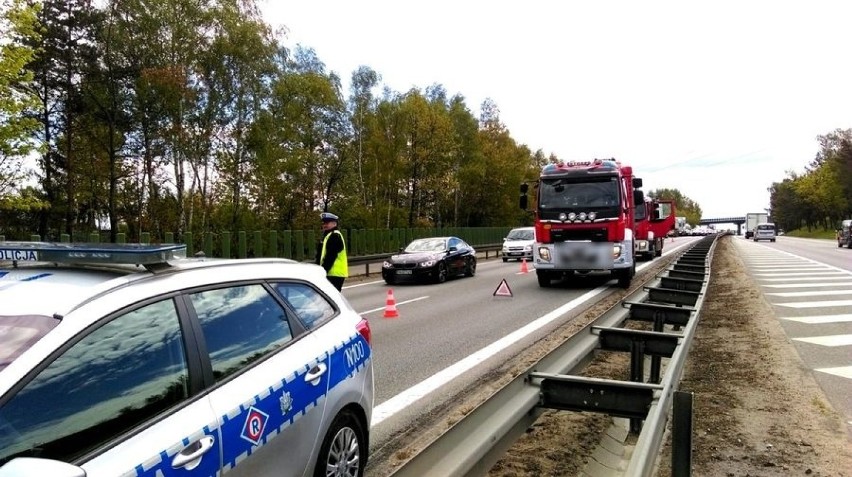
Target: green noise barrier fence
298,245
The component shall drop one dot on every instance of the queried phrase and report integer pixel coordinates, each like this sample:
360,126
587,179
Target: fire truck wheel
625,276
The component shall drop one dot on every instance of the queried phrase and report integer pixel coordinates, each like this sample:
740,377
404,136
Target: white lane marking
842,371
804,279
363,284
441,378
831,340
397,303
811,293
833,274
809,285
816,304
819,320
802,268
805,259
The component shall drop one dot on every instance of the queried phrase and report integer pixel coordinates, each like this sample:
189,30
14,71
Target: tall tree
364,80
18,20
65,48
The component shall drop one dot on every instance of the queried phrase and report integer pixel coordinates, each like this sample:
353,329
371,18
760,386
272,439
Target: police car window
311,307
116,377
241,324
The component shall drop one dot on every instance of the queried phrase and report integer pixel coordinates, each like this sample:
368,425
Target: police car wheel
344,449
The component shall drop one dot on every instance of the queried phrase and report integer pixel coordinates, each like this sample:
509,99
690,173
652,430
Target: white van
518,244
764,231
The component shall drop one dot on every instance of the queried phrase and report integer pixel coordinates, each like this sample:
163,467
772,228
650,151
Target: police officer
331,251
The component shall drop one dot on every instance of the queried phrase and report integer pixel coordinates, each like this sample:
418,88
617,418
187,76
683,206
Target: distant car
518,244
764,231
844,234
431,259
132,360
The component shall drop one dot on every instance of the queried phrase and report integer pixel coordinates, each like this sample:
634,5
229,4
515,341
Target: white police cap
328,217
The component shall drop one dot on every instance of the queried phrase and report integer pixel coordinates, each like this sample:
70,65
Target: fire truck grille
595,235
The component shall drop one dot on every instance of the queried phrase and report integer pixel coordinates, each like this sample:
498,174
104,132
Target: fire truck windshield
564,194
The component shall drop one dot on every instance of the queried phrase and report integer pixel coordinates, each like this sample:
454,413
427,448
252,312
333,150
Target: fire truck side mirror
523,199
638,197
637,182
524,188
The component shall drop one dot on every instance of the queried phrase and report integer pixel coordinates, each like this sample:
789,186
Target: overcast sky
717,99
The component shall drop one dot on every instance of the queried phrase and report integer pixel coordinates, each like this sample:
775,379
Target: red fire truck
584,219
654,219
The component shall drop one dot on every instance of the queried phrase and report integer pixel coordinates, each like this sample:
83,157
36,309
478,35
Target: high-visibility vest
340,267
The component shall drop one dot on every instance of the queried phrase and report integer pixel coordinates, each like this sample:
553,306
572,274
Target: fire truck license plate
585,255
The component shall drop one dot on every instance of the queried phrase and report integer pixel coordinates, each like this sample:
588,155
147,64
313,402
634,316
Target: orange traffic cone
390,306
524,268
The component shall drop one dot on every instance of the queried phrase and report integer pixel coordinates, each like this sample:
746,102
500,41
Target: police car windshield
18,333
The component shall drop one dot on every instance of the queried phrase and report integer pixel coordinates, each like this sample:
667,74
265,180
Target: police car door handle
316,373
190,456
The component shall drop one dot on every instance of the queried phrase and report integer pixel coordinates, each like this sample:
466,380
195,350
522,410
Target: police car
132,360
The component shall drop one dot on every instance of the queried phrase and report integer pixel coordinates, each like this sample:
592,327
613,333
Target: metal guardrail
473,444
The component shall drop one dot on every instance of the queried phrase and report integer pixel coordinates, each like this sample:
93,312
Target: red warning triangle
503,289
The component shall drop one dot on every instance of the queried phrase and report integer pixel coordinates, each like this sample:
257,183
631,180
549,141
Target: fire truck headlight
544,253
592,215
572,216
562,217
616,250
582,216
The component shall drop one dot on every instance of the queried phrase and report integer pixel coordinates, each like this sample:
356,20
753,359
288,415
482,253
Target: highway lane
450,335
808,282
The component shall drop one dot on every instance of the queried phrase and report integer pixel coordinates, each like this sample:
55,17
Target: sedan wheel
470,267
441,275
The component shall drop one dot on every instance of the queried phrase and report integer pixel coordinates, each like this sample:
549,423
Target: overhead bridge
738,221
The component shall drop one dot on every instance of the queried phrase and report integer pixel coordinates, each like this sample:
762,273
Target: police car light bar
89,253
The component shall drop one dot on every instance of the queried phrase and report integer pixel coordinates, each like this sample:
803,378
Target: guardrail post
637,374
682,434
656,361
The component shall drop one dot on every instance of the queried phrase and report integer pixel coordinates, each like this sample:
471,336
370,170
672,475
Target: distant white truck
681,226
751,221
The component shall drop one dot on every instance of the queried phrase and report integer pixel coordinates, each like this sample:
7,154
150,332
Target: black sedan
433,259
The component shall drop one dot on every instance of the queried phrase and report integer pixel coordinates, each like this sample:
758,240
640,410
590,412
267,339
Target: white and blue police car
132,360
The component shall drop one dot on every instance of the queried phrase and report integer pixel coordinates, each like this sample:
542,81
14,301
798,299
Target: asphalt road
808,282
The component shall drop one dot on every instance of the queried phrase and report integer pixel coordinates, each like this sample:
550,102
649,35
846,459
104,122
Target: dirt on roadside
758,410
